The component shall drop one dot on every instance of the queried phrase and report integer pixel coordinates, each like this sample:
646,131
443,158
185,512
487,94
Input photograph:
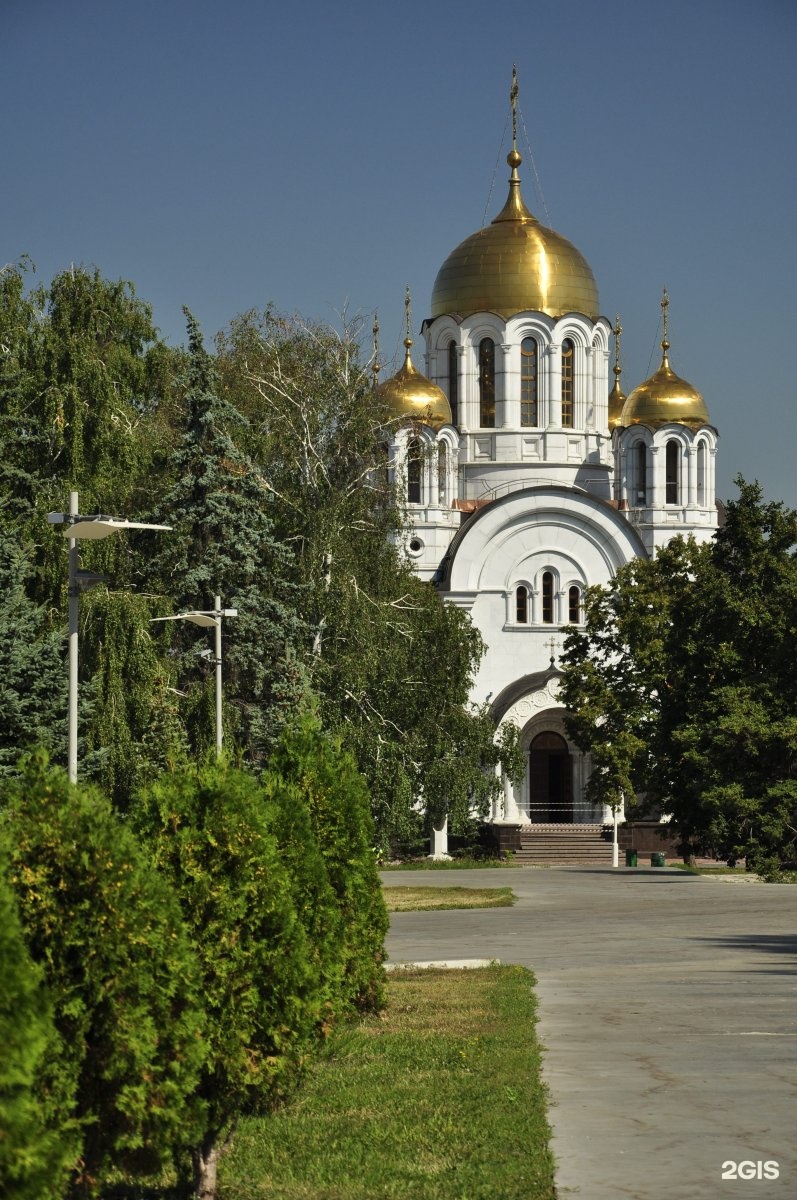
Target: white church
528,479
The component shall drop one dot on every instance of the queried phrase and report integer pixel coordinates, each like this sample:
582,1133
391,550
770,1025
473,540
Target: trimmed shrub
208,831
315,901
337,798
106,931
34,1157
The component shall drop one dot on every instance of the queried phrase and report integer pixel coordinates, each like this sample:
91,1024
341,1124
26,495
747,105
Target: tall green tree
22,439
225,544
33,681
732,721
682,685
393,665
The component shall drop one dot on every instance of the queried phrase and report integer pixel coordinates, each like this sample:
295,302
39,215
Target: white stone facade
528,498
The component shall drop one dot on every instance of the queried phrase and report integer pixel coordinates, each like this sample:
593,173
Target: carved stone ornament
521,710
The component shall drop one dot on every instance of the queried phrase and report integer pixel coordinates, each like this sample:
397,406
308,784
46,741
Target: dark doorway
550,781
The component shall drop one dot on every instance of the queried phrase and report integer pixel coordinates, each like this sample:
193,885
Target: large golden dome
408,395
665,397
515,265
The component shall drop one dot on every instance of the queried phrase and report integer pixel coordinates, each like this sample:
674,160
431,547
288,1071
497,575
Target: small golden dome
617,399
408,395
515,265
665,397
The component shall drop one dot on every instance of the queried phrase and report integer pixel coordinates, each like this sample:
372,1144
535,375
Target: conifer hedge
194,952
34,1156
105,930
208,832
340,816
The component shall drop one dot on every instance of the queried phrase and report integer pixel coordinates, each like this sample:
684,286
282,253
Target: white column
589,390
508,394
691,464
440,841
469,389
554,374
657,480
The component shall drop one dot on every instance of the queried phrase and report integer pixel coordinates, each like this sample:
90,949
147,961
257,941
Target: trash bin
657,858
630,858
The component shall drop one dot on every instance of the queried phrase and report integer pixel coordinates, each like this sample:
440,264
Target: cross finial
513,91
375,368
551,644
665,304
407,305
617,331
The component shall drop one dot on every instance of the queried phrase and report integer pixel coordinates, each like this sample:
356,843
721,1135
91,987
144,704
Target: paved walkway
668,1012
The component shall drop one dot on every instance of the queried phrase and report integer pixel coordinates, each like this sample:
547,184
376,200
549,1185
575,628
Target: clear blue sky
321,156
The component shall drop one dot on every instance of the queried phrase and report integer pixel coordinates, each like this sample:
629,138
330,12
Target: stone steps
564,845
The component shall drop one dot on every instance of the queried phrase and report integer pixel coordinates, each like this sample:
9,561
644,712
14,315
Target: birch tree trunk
206,1161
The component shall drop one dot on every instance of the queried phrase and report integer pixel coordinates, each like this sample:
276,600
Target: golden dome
408,395
515,265
617,399
665,397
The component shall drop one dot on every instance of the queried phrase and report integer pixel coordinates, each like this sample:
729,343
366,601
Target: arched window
672,464
701,474
442,472
574,605
453,380
529,409
547,598
487,383
414,469
568,383
640,473
522,605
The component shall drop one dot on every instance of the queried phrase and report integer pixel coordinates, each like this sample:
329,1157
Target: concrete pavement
668,1013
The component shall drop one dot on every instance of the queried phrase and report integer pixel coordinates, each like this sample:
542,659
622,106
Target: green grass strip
450,864
426,899
439,1098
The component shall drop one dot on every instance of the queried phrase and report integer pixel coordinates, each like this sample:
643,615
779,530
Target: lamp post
209,619
91,528
615,845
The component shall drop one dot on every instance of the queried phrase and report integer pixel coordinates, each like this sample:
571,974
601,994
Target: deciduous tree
682,685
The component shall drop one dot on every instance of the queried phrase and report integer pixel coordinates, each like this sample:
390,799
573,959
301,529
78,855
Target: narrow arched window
453,380
414,469
547,598
568,383
701,474
529,410
442,472
522,605
671,465
574,605
487,383
641,473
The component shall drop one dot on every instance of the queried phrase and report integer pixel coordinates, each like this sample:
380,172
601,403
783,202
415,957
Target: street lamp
90,528
209,619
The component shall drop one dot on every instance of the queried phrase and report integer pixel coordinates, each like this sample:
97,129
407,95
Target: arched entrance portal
550,780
